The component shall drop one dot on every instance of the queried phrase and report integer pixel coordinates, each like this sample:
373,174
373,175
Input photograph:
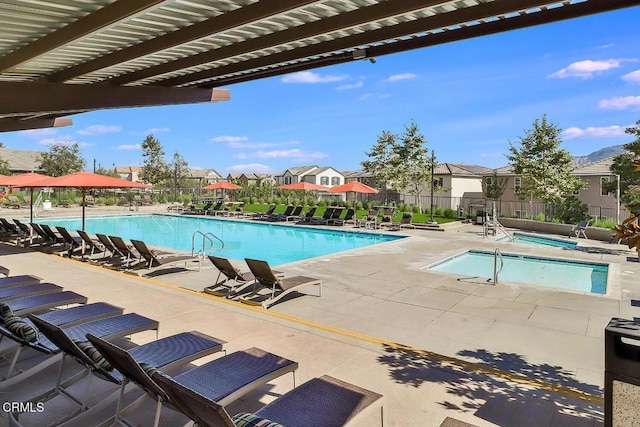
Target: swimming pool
553,272
533,239
275,243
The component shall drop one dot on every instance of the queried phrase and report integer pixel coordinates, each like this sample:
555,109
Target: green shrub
449,213
572,210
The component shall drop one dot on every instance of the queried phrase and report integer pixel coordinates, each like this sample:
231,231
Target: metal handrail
206,237
496,272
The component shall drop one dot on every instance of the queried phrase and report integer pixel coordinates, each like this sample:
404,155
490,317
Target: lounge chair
53,237
28,290
179,350
123,249
9,228
228,378
43,237
282,216
23,279
108,245
71,342
320,402
72,242
348,218
263,215
147,200
405,222
278,287
39,303
13,202
580,229
152,260
63,318
233,275
324,219
89,201
90,243
295,215
307,217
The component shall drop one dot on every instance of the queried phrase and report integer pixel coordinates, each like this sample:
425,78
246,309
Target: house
254,179
203,176
293,175
21,161
602,204
326,176
130,173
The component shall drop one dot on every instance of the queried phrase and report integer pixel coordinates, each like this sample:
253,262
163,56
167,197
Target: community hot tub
575,275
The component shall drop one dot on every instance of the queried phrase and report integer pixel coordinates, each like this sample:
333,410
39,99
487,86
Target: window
287,180
324,180
438,182
335,180
489,181
604,180
517,183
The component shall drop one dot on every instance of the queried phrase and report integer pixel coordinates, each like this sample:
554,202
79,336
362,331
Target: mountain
601,154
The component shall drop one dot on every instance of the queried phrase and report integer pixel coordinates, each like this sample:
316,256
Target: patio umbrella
85,180
23,180
354,187
305,186
222,185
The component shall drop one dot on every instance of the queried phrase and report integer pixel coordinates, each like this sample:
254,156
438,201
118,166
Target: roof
300,170
128,169
204,173
461,169
601,167
318,171
56,56
22,160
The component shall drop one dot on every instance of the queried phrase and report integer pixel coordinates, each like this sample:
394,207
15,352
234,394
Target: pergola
72,56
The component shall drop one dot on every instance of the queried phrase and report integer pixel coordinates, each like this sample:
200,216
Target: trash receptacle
46,205
481,216
621,373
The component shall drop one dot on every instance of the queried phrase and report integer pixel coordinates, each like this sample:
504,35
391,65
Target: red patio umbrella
306,186
354,187
222,185
23,180
85,180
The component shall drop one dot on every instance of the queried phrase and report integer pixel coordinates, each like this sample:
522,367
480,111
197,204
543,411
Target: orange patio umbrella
85,180
354,187
23,180
222,185
305,186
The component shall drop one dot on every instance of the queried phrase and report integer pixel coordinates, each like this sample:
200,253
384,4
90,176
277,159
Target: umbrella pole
84,192
31,207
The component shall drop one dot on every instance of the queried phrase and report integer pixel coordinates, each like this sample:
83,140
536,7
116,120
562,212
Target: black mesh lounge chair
90,244
70,241
9,229
281,217
43,237
405,222
231,274
348,218
55,238
123,249
307,217
324,219
71,342
63,318
295,215
28,290
151,260
228,378
320,402
265,215
108,245
178,349
39,303
277,287
580,229
23,279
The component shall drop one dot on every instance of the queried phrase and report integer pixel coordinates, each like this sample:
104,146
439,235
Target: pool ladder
496,271
208,240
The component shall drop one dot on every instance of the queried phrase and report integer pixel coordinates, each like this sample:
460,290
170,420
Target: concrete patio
433,344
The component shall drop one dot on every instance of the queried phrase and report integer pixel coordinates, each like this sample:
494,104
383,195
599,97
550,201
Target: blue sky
469,99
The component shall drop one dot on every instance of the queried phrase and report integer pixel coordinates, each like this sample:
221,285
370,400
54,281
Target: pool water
557,273
274,243
542,240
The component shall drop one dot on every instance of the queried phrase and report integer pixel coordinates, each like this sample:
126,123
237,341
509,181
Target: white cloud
309,77
586,69
99,130
38,133
350,86
156,130
620,103
296,154
398,77
64,140
632,77
227,138
606,46
575,132
255,145
240,156
367,96
129,147
251,167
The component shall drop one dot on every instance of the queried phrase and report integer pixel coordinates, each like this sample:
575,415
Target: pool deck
433,344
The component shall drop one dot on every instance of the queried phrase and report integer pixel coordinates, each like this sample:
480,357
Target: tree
179,169
493,187
626,165
544,167
401,162
62,159
154,167
107,172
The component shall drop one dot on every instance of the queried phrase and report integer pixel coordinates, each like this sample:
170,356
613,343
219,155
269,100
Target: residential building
130,173
295,174
21,161
254,179
325,176
204,176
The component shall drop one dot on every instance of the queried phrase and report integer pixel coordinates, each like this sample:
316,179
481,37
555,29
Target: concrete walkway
435,345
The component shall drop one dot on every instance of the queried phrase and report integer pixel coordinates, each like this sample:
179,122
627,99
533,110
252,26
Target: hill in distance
598,155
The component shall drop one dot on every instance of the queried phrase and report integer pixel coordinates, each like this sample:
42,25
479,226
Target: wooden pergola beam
217,24
270,62
11,125
103,17
27,99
